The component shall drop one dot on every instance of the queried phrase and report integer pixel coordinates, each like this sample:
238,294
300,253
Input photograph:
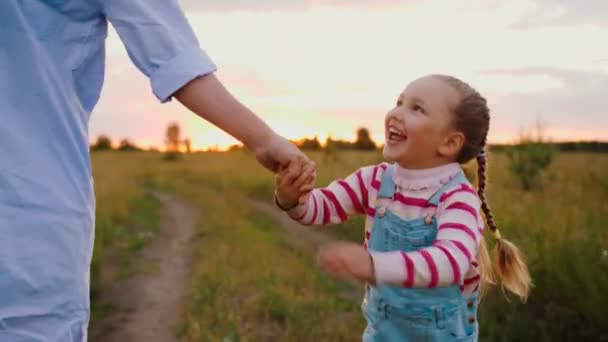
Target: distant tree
172,141
126,145
330,144
337,144
103,143
364,141
172,137
235,147
187,145
213,148
329,152
309,144
583,146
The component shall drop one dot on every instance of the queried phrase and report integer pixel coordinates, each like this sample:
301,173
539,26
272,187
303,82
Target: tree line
363,141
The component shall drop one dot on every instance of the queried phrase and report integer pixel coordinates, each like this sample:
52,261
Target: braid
481,173
472,118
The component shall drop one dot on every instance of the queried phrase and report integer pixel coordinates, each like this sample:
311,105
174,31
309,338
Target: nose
395,114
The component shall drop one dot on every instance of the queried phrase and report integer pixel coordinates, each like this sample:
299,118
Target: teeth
394,131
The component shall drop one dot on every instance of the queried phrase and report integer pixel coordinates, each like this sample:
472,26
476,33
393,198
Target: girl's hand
347,260
293,188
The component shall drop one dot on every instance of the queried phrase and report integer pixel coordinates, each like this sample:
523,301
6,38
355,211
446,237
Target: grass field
252,284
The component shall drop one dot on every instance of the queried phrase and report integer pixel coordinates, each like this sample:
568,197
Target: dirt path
149,305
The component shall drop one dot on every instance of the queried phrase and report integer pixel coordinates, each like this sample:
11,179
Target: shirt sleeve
445,263
339,200
160,42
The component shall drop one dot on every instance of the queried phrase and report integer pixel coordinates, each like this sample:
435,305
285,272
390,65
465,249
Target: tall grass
251,284
127,216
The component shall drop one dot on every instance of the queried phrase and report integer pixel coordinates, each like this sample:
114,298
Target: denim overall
414,314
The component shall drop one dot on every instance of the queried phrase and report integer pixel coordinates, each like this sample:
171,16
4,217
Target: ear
451,145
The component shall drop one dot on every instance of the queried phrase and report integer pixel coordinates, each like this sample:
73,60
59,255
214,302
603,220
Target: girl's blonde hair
472,118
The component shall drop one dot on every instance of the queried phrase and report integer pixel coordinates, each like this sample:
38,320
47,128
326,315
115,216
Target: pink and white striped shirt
451,258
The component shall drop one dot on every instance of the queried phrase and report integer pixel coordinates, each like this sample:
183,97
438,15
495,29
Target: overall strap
459,178
387,187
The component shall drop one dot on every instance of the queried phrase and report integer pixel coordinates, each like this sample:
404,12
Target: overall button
382,211
470,304
428,220
471,319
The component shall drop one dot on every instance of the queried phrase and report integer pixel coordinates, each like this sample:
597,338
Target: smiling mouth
395,136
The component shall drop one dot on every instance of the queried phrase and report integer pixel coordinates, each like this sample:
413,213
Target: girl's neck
426,164
418,179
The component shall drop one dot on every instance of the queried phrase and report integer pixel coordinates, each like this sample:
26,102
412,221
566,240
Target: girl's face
418,128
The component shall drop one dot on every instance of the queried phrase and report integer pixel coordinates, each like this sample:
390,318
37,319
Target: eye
417,108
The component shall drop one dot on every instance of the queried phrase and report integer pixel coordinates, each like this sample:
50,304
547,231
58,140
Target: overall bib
414,314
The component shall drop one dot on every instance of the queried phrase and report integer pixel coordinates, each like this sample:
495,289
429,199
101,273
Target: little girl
423,256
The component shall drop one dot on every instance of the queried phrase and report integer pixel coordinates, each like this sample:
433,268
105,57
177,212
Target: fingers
330,259
280,177
303,177
279,152
290,173
297,172
306,188
346,260
298,161
296,164
310,182
305,191
305,184
327,261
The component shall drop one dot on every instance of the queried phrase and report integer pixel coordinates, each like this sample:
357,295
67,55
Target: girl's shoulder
460,191
380,166
373,173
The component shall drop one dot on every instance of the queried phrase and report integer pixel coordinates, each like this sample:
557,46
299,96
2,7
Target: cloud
265,5
558,13
579,104
248,82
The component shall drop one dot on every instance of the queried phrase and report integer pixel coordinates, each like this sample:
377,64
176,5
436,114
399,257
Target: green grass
127,217
250,284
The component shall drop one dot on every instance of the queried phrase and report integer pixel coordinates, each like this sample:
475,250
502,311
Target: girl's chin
389,155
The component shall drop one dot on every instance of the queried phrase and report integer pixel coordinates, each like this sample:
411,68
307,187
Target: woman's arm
207,97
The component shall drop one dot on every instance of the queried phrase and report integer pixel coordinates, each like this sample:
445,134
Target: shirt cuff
300,211
180,70
389,268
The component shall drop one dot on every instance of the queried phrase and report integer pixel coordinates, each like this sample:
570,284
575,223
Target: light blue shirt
51,72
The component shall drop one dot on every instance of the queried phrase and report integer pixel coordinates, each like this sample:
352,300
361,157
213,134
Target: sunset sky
327,67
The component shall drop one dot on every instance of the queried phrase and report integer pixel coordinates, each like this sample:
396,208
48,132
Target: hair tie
482,154
496,234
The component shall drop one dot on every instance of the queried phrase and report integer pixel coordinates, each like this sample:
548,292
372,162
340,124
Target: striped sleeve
341,199
447,261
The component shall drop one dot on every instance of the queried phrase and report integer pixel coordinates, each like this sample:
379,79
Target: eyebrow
423,104
417,99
